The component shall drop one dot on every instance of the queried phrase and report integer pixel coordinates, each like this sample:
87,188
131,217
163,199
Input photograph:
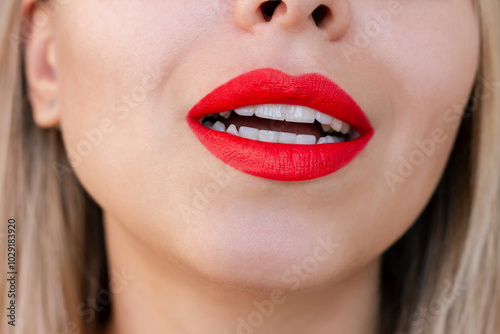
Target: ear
40,63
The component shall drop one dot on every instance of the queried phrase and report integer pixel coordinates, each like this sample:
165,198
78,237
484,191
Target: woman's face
129,72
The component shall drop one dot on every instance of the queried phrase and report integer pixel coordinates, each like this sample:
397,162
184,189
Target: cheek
437,56
429,56
123,123
112,74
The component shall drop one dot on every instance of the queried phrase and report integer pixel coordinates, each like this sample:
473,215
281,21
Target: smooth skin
201,243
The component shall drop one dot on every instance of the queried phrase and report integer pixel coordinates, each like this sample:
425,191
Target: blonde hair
441,277
60,258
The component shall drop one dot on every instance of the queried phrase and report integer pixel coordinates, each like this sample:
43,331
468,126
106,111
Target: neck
153,295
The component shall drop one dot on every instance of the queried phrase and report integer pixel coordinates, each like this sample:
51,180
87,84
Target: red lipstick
276,161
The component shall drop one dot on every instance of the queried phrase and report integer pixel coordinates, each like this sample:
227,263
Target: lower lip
275,161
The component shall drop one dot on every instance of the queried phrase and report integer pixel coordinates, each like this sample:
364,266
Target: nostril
267,8
321,14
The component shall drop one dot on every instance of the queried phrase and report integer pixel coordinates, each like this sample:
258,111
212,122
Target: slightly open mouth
280,123
281,127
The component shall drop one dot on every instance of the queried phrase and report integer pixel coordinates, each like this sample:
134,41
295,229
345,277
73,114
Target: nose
329,17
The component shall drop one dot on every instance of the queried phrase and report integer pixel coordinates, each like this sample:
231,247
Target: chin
263,253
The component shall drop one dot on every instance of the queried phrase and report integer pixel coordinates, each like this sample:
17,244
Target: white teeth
329,122
289,113
271,111
330,139
232,130
336,124
274,136
300,114
305,139
345,128
323,118
226,114
326,127
287,138
219,126
268,136
247,111
249,133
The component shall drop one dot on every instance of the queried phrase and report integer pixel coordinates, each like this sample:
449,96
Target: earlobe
40,63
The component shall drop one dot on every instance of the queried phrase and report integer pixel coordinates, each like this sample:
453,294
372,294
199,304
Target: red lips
283,162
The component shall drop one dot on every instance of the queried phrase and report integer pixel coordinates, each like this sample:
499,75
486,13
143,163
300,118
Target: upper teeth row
292,113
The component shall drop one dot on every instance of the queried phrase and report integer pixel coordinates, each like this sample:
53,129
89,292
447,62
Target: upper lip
270,86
